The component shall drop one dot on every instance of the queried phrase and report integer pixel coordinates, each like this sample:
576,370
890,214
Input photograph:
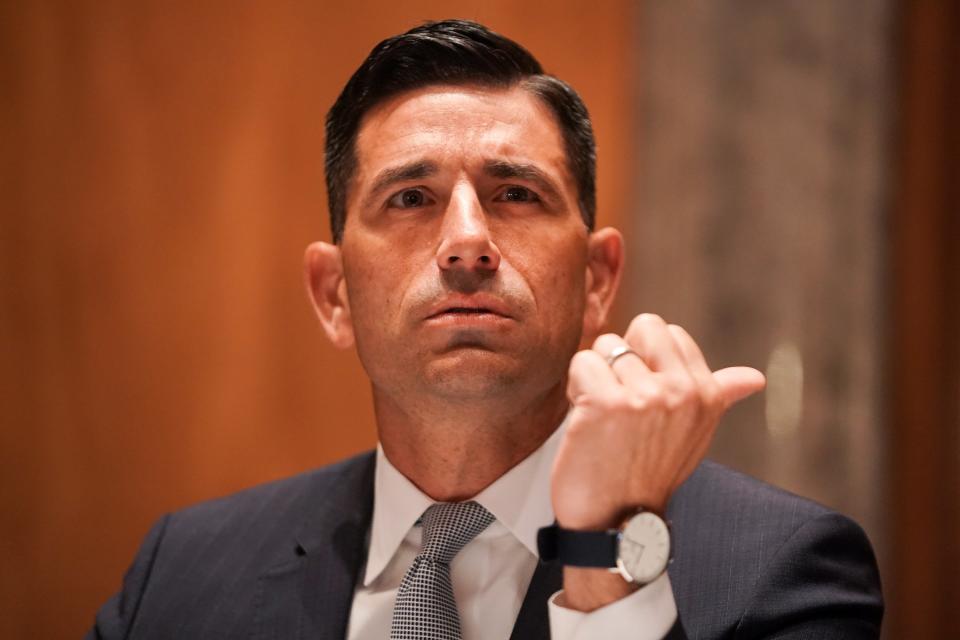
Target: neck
453,451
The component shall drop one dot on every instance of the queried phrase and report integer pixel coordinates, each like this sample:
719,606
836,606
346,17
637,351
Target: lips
474,305
465,310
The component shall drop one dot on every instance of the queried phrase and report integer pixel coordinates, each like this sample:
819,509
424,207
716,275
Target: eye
518,194
408,199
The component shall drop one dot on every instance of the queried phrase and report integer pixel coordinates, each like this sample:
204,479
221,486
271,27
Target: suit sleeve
823,582
115,618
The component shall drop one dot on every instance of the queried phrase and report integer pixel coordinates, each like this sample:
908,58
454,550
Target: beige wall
162,168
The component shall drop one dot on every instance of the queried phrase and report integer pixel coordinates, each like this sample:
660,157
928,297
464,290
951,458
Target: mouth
477,306
465,311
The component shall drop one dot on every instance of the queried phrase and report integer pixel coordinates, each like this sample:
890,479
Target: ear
604,268
323,270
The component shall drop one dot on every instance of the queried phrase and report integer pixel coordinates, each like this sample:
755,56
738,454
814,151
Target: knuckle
680,384
675,401
606,342
710,395
643,324
648,396
640,403
615,401
638,324
682,393
680,336
578,360
652,318
690,393
678,329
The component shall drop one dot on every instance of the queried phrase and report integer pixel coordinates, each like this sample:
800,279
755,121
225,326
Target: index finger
649,336
628,367
590,375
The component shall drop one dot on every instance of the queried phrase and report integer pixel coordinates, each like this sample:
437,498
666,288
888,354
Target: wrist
589,589
611,519
601,514
636,552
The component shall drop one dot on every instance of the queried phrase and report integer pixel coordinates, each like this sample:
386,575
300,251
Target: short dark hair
451,52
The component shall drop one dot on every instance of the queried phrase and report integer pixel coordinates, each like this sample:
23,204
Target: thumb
737,383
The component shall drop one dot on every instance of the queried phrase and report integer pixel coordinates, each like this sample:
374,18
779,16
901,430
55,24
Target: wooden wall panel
162,174
924,376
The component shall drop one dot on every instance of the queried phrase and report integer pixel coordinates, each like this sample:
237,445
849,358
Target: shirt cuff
647,614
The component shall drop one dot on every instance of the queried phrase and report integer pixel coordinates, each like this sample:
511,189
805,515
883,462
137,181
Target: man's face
464,252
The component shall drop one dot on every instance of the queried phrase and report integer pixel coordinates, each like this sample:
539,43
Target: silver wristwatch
639,551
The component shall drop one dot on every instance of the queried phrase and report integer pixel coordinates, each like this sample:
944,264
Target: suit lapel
532,622
309,595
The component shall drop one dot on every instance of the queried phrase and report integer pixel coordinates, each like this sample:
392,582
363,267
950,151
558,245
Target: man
467,273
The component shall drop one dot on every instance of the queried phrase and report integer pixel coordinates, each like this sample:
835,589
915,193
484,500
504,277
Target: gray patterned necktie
425,608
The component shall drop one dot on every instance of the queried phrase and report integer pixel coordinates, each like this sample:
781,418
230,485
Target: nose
466,244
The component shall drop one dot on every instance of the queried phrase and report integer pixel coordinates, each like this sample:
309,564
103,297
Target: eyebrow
502,169
391,176
530,173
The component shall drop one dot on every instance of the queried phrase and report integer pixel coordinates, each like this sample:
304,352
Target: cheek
555,272
371,289
379,274
566,289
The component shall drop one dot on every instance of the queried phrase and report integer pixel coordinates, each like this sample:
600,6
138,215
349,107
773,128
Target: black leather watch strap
578,548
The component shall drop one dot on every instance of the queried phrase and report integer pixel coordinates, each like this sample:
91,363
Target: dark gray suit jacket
281,561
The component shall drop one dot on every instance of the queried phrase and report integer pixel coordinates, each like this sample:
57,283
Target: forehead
459,126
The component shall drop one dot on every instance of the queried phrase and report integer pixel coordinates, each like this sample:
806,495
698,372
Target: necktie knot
449,526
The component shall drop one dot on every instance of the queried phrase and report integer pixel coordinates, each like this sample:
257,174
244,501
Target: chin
473,374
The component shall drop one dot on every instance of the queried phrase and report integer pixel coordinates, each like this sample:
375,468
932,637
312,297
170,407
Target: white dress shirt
491,574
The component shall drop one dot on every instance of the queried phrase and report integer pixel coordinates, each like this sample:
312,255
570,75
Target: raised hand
641,422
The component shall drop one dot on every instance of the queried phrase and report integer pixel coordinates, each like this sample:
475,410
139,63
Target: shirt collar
519,500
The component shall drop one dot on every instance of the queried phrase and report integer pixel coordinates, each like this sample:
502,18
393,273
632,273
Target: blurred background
785,173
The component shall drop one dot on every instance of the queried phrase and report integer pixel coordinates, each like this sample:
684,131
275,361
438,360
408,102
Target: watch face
644,548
